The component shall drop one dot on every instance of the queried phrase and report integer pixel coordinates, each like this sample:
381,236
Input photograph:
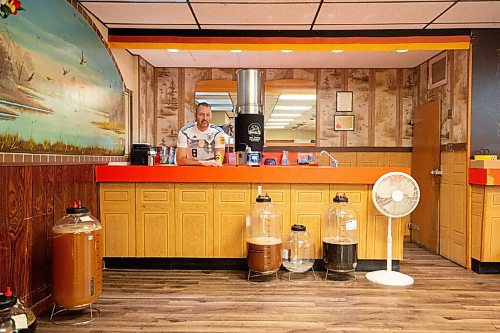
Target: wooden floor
444,298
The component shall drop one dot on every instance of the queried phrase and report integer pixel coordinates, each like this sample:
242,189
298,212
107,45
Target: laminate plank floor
444,298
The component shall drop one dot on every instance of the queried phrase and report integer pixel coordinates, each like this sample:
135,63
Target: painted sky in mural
60,91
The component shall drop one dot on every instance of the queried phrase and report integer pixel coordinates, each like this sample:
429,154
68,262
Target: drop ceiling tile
367,26
255,27
381,12
150,13
152,26
464,26
208,13
472,12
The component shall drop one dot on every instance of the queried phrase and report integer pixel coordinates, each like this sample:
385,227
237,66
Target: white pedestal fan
395,194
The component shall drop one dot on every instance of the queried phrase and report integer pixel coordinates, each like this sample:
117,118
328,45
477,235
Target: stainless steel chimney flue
249,122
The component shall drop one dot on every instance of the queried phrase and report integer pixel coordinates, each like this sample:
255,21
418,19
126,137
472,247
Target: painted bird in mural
66,71
30,77
48,78
82,60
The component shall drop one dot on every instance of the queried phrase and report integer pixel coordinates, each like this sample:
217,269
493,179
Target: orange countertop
478,176
242,174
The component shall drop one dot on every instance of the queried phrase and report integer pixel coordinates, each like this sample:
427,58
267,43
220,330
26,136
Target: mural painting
278,74
191,77
407,105
223,74
168,103
359,83
385,107
330,82
60,91
460,95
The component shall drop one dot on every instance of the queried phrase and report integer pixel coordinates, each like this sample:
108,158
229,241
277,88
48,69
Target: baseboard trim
364,265
485,267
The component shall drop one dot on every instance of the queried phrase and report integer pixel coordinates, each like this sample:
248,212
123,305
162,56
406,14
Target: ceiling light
401,51
173,50
236,51
337,51
298,97
276,114
292,108
277,124
274,127
286,51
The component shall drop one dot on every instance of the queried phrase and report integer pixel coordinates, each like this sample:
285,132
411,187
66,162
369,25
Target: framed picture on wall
343,123
437,71
344,101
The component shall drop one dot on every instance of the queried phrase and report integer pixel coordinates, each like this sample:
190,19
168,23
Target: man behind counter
201,143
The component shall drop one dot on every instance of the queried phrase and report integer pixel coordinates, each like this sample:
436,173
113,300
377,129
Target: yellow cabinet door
231,204
155,220
194,212
309,203
491,244
358,198
376,234
117,201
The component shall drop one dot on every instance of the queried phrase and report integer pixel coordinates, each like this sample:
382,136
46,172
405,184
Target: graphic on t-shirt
201,145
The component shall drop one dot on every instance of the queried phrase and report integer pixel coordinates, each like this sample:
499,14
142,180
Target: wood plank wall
32,198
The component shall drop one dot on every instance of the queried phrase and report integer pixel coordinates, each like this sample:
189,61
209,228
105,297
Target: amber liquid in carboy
264,254
76,268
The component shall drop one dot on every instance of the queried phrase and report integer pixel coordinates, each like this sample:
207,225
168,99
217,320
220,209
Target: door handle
437,172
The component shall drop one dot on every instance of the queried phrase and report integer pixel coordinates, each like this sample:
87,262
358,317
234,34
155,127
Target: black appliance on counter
139,155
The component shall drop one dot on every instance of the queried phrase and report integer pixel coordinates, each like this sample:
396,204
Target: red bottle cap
7,292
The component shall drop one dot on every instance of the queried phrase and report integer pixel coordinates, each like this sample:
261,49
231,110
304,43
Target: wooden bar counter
199,212
485,226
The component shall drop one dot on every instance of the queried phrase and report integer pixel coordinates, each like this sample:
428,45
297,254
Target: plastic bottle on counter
171,155
284,158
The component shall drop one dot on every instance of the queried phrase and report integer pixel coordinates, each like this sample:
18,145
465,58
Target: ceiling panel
153,26
151,13
367,26
464,25
477,11
209,13
277,59
254,1
380,13
256,26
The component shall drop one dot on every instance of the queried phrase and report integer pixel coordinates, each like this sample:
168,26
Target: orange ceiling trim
294,47
288,40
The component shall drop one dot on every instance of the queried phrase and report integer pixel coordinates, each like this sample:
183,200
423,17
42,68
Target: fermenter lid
298,227
76,208
7,299
263,198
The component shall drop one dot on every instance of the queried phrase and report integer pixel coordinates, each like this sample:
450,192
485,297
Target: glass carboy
298,250
263,233
340,236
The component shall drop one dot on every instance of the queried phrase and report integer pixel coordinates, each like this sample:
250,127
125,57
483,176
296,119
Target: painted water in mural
60,91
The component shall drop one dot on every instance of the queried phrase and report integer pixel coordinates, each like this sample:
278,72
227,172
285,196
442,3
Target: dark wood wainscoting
32,198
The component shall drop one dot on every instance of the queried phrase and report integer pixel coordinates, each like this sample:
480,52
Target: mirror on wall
290,109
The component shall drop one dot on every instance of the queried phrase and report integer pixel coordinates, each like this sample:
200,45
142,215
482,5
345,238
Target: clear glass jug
298,250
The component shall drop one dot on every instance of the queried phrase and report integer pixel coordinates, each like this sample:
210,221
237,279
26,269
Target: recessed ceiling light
292,108
401,51
173,50
337,51
286,51
274,127
236,51
278,120
275,114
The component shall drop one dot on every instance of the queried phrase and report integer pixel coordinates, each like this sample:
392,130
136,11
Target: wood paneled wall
32,198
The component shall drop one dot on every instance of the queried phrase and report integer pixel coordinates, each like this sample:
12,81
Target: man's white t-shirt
201,145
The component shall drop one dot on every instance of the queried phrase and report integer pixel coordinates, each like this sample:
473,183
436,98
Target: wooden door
426,158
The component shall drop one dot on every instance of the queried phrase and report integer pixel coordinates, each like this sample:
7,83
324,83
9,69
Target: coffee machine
249,122
142,154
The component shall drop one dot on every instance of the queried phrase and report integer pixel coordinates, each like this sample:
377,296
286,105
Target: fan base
390,278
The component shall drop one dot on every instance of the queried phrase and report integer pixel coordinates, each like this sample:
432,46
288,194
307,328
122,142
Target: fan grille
396,194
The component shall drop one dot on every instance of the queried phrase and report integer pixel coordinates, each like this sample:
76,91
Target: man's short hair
202,104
